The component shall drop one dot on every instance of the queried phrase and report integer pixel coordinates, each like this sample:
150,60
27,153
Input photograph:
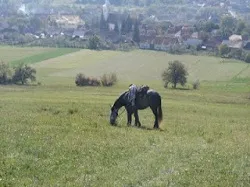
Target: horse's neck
121,101
117,104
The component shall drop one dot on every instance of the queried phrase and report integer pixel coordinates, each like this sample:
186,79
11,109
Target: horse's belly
142,103
142,106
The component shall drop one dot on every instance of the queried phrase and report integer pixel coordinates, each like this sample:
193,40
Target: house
234,42
212,43
192,42
168,42
214,32
195,35
151,33
162,43
158,43
246,44
53,32
178,35
78,34
187,30
235,38
68,21
115,19
146,42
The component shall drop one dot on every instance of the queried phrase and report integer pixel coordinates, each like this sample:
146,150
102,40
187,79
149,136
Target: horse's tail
159,113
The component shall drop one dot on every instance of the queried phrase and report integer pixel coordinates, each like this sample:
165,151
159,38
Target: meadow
57,134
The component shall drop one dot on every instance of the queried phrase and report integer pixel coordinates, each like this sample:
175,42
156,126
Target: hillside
139,66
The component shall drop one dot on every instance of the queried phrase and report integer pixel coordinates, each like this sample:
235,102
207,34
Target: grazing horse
150,99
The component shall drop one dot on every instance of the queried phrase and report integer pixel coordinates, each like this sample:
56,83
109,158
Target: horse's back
154,98
151,99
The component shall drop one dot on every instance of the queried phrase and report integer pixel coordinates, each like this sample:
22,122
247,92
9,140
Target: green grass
137,66
58,134
9,54
43,56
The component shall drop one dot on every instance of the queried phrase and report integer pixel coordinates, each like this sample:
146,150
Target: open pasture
58,134
138,66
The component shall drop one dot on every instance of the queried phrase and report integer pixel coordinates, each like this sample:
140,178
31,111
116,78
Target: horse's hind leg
156,124
137,121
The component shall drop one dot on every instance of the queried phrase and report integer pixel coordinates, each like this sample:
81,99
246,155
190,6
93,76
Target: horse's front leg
137,121
129,117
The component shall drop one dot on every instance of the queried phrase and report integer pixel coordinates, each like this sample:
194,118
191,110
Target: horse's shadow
140,128
148,129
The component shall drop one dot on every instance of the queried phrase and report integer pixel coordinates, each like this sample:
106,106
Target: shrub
196,84
82,80
108,79
105,80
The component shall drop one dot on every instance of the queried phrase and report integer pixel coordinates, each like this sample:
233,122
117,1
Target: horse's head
113,115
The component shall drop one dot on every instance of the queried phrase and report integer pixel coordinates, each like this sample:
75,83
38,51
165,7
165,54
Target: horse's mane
121,96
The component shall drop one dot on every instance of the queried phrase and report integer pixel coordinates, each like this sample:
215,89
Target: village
115,28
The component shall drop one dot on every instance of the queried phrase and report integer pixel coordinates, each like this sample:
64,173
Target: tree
94,42
224,50
240,27
228,26
136,33
36,24
5,73
128,24
103,23
175,73
204,36
23,73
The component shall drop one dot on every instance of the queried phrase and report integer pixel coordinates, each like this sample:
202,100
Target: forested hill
162,2
133,2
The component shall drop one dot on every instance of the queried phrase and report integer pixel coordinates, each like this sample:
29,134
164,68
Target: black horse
150,99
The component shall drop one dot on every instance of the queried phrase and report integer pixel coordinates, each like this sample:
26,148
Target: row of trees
133,2
21,74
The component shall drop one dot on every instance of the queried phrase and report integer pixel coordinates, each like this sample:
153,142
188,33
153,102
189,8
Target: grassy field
18,55
58,134
139,66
